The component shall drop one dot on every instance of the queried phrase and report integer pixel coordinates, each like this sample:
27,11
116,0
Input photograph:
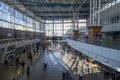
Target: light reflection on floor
52,59
69,62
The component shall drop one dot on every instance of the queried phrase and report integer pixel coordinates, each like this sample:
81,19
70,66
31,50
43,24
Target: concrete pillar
94,12
62,27
53,27
75,34
99,13
90,22
77,20
92,32
74,21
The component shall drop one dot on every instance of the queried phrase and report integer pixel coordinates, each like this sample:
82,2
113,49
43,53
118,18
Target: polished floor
54,70
57,64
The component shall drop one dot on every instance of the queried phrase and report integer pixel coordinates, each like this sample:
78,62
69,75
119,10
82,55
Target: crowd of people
20,62
65,75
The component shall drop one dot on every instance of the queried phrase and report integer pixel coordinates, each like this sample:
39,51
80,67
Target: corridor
55,67
59,63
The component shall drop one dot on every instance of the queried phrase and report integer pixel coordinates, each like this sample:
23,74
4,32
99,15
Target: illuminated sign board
10,48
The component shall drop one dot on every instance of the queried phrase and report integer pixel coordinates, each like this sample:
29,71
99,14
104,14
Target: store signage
10,48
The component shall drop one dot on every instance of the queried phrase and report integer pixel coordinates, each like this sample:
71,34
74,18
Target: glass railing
14,40
114,44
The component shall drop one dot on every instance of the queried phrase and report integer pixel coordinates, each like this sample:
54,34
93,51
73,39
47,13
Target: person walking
63,75
6,62
13,79
81,76
17,61
30,57
67,75
28,71
23,64
45,66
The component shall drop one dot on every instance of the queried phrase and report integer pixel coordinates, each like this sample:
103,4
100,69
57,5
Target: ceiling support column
62,27
74,21
90,22
99,6
95,12
53,28
77,20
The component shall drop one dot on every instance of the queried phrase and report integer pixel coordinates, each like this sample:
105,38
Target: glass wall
68,28
63,27
58,29
13,19
49,29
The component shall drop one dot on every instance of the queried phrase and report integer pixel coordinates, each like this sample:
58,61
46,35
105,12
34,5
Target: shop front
19,51
2,51
10,54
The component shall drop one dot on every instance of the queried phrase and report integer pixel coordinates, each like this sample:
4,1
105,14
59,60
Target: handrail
109,43
14,39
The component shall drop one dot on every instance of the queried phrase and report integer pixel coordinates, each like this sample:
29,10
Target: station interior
59,40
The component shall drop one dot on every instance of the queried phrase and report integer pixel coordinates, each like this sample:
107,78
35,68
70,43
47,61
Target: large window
49,29
62,28
0,5
68,28
22,22
58,29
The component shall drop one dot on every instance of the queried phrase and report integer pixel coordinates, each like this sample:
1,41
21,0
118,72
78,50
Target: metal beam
57,12
70,18
43,4
62,16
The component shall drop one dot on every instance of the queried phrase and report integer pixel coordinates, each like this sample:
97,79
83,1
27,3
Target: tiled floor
57,63
55,68
11,71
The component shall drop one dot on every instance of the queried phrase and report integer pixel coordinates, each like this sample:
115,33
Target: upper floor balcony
106,52
2,41
108,43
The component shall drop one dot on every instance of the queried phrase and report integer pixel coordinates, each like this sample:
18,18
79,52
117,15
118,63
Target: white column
12,18
53,27
44,26
90,22
93,14
62,27
96,9
99,13
77,20
74,21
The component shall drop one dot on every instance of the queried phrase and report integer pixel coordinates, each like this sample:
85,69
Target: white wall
106,15
111,27
104,55
17,44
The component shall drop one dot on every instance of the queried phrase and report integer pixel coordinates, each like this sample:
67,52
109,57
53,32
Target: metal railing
2,41
114,44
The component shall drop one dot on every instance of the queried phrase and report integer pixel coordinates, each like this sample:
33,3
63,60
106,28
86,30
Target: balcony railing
114,44
14,40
